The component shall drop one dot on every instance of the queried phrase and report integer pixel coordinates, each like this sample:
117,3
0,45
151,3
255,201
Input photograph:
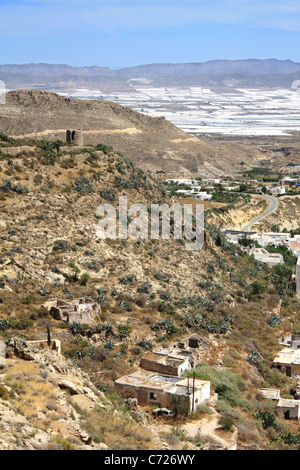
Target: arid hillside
152,143
286,217
147,293
235,216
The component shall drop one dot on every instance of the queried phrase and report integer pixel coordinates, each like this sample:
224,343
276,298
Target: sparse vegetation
152,293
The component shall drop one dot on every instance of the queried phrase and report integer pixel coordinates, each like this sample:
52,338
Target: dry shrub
119,432
247,435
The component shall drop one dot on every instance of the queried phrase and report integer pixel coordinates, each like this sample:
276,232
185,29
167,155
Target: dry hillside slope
147,294
153,143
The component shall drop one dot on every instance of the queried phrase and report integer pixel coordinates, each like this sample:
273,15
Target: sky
121,33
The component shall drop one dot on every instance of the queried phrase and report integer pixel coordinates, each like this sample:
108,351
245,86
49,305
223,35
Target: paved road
272,208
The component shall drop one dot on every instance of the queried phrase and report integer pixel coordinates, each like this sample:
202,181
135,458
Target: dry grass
117,430
33,392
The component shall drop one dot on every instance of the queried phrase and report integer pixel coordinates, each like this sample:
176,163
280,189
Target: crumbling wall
155,366
75,137
43,344
77,311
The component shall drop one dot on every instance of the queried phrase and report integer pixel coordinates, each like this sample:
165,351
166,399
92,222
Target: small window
153,396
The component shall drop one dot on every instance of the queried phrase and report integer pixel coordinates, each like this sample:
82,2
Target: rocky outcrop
19,347
46,402
19,431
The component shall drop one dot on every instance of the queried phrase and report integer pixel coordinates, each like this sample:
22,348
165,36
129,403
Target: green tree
48,336
267,418
179,405
257,288
226,423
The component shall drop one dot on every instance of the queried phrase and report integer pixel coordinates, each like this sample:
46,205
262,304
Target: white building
288,409
203,196
287,361
294,245
271,238
152,388
271,259
276,191
212,180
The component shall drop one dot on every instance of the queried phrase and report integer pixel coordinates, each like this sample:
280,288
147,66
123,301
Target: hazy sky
118,33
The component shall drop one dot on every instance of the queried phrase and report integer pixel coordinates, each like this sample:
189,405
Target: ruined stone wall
143,395
154,366
127,391
75,137
43,344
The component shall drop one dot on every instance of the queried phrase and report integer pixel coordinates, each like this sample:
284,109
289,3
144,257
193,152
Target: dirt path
210,428
207,427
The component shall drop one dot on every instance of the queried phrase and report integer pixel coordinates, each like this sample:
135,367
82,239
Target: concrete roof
270,393
150,380
294,244
288,356
284,403
162,358
180,354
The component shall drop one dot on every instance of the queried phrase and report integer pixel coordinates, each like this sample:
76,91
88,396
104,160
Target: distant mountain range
213,67
61,77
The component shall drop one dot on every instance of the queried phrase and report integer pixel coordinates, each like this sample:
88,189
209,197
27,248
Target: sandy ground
206,426
210,428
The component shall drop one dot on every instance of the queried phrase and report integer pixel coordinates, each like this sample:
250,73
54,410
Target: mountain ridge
220,66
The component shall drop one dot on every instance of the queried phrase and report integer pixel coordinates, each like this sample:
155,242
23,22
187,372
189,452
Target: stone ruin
55,345
77,311
192,341
75,137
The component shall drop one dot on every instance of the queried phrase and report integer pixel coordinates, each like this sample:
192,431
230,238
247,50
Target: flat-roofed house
151,388
287,361
168,362
271,259
273,238
288,409
294,244
276,191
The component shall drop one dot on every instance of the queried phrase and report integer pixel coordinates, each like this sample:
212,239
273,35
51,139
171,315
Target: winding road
272,208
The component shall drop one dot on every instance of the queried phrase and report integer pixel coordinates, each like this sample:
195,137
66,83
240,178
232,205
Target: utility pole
193,406
188,393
